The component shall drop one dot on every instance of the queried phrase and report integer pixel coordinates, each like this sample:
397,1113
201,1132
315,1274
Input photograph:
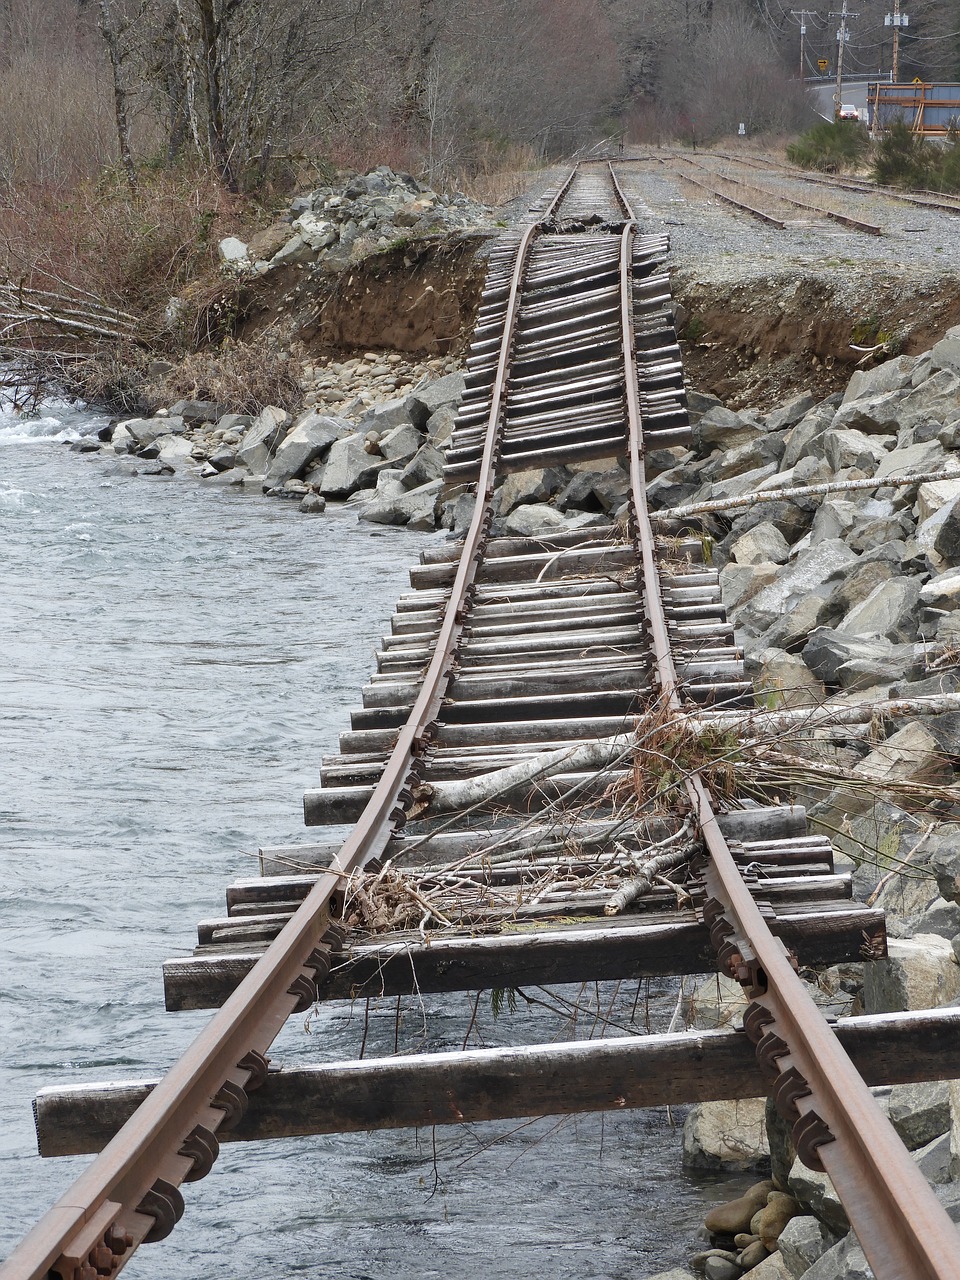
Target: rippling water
174,661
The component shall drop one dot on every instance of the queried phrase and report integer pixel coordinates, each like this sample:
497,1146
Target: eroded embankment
418,297
753,340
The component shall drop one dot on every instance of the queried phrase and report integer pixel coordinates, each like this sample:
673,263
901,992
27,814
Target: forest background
136,133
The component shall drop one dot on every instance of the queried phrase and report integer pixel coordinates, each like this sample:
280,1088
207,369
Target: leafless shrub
242,377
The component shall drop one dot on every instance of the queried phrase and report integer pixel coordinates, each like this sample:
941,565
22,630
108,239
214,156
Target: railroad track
920,199
524,780
696,172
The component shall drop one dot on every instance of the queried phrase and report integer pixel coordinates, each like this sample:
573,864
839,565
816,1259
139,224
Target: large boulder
262,438
892,375
349,467
721,428
848,448
537,484
920,1112
763,544
439,393
414,507
196,412
306,442
917,973
404,411
809,574
889,610
945,354
726,1135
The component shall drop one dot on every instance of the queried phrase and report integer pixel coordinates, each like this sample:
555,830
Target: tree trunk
110,30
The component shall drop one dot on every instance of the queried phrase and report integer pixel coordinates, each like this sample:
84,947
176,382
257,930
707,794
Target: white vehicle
848,112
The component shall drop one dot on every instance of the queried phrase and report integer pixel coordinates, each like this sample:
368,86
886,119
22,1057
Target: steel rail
903,1229
130,1193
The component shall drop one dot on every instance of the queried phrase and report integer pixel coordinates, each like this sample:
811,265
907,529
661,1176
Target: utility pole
801,15
896,20
843,35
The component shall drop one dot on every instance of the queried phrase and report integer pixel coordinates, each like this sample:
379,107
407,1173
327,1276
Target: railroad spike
164,1204
257,1063
233,1102
809,1134
790,1086
202,1147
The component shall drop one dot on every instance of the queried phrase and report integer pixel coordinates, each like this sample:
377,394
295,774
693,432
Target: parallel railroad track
496,750
696,172
921,199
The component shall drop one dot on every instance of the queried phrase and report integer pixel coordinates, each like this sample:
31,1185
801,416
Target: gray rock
196,412
440,393
917,973
915,459
835,518
262,437
940,917
809,573
943,591
890,610
726,1135
439,426
945,354
805,440
175,450
845,1261
943,859
739,583
295,250
791,631
312,504
933,1160
920,1112
426,464
788,679
764,543
790,413
872,415
400,444
414,507
144,431
946,540
827,650
892,375
910,754
676,1274
537,484
223,458
848,448
815,1190
349,468
532,520
404,411
304,444
233,252
802,1241
721,428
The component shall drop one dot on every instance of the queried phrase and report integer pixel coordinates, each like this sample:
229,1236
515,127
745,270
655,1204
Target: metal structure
932,110
495,659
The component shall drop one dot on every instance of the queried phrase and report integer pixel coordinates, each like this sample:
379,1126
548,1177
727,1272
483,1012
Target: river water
174,660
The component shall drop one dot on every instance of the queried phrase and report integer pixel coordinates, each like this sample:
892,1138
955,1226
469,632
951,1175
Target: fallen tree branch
799,491
755,728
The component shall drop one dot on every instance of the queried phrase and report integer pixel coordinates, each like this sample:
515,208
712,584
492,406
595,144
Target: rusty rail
837,1126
